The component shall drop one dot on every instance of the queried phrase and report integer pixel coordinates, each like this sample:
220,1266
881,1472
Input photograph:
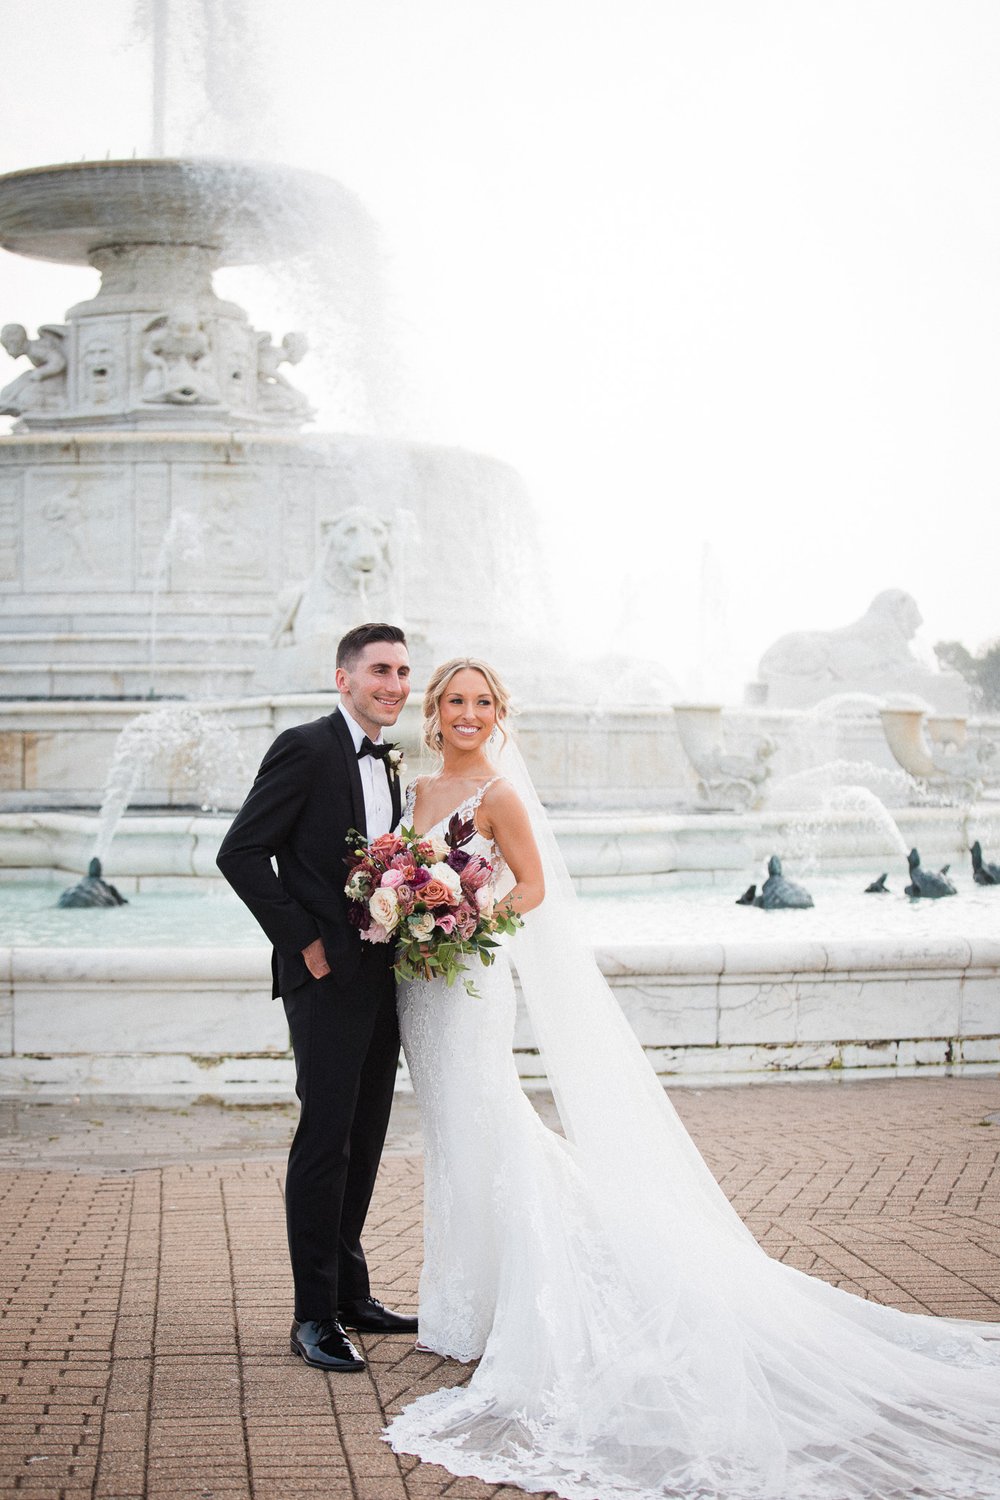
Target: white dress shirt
374,782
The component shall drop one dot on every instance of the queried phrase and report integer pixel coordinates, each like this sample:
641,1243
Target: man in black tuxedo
317,782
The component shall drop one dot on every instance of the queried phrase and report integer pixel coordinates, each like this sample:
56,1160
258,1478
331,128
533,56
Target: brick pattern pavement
144,1313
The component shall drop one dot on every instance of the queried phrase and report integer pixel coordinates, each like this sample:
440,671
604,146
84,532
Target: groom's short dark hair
355,641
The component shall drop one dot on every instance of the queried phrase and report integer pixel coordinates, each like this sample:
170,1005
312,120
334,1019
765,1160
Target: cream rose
421,926
384,908
484,900
448,877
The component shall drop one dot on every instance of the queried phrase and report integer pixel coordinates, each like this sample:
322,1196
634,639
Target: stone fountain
165,528
177,559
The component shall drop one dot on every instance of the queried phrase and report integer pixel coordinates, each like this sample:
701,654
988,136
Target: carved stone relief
78,529
235,518
11,488
152,517
111,362
175,354
101,366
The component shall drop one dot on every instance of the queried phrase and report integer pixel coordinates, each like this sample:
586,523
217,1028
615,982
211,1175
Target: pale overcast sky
719,277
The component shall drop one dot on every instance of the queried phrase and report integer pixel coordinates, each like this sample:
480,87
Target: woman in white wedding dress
633,1338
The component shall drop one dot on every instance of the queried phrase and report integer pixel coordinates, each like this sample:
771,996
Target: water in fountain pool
214,917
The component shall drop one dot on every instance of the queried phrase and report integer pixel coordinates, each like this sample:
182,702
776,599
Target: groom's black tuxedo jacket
306,797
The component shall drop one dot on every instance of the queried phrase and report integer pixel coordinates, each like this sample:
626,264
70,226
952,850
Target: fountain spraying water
167,529
200,748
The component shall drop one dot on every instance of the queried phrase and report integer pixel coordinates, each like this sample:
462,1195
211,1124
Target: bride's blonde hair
436,687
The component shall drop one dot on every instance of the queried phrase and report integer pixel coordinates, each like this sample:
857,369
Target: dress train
635,1342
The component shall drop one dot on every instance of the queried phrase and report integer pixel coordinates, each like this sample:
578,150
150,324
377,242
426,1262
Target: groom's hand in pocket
315,959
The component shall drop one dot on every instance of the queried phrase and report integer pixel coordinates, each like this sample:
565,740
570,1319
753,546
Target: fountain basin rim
680,961
568,820
242,211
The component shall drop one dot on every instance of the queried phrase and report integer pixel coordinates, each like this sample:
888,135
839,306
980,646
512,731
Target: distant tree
981,672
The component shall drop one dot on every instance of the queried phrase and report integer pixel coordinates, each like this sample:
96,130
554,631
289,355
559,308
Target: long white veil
732,1374
611,1104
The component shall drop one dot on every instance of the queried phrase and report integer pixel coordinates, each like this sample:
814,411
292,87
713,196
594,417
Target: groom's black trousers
346,1043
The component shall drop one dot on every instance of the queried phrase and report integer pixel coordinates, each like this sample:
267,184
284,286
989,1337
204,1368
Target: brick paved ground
145,1293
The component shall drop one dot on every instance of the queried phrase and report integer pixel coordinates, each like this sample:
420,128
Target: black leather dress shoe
367,1315
323,1343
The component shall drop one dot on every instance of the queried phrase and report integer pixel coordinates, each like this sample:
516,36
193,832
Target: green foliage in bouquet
431,897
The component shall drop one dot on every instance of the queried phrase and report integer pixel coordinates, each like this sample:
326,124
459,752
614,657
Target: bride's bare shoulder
501,793
500,803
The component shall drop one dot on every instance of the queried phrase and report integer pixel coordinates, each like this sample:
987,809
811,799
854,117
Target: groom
317,782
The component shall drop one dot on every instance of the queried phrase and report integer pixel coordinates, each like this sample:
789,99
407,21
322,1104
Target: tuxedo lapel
345,746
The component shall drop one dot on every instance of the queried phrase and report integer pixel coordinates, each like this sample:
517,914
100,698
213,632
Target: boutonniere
397,762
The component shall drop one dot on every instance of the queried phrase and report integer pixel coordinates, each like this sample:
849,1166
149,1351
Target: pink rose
393,879
446,922
405,899
484,900
467,923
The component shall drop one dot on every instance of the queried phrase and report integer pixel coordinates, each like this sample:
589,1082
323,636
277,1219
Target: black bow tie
378,752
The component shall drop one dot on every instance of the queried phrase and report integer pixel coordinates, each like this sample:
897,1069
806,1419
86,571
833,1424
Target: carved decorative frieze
11,488
77,529
175,357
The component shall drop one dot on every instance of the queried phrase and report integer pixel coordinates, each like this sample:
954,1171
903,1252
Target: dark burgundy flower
359,916
458,859
460,830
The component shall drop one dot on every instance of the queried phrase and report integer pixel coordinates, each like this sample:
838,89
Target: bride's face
467,711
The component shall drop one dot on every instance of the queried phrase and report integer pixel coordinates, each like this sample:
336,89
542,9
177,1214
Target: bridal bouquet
430,896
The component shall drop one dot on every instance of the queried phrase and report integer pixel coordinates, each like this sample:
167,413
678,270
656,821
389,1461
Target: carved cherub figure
48,358
275,390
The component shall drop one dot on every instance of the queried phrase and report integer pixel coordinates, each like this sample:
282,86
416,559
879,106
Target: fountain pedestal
156,348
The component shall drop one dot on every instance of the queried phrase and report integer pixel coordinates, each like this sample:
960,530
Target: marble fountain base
200,1021
737,995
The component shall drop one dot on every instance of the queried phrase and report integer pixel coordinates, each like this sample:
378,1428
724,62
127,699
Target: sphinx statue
871,655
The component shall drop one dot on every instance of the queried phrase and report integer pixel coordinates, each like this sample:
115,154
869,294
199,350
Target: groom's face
376,685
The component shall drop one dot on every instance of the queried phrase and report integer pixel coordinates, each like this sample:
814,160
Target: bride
633,1339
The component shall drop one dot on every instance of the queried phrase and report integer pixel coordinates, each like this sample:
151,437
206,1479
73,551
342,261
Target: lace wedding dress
634,1340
